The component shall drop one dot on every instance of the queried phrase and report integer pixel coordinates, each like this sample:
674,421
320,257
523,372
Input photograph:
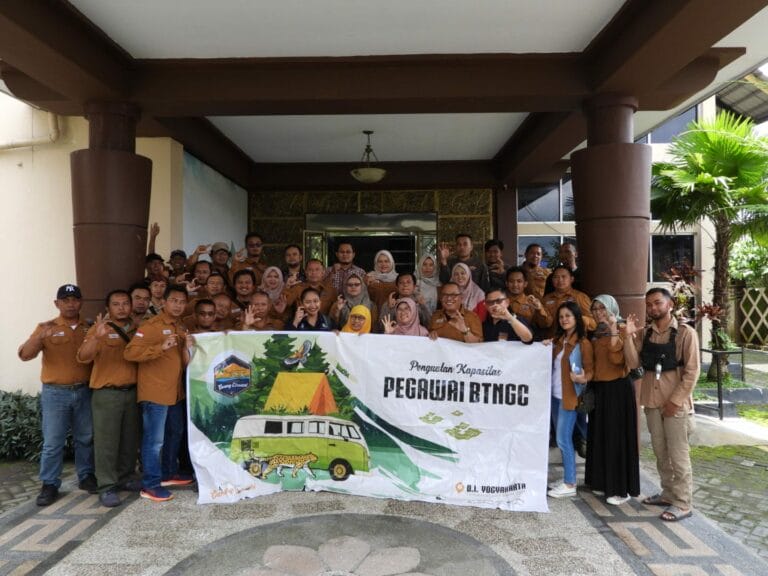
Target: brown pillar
506,222
611,189
110,204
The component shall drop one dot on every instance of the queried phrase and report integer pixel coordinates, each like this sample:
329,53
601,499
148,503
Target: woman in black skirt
613,465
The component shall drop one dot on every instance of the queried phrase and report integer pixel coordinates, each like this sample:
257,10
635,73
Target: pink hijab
413,328
471,293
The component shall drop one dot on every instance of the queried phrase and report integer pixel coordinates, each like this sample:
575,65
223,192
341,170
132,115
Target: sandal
656,500
675,514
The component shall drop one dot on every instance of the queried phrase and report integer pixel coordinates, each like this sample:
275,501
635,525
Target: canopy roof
275,94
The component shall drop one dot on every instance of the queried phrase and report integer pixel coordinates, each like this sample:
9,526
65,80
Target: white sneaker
598,492
562,490
617,500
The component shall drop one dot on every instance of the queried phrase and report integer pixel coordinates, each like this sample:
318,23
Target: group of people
603,358
135,354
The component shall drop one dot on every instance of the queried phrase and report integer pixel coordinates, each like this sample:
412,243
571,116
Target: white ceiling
283,28
274,28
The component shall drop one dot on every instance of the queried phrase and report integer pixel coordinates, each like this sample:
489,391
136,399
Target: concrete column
611,189
110,204
506,222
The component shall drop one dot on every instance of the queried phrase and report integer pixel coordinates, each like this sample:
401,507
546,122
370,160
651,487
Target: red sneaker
156,494
178,480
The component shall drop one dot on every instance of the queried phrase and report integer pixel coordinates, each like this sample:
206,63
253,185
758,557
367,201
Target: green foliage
21,435
749,262
757,413
718,170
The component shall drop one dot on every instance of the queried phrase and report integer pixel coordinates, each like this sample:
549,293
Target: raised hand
633,325
154,230
170,341
388,324
444,252
202,249
101,326
241,255
280,304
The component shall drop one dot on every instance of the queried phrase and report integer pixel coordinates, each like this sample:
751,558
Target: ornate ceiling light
368,174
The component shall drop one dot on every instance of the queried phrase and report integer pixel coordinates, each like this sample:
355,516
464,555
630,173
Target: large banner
374,415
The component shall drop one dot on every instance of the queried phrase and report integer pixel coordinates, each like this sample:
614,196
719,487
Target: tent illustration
296,391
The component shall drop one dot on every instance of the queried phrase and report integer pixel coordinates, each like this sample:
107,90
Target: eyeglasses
451,294
495,301
354,284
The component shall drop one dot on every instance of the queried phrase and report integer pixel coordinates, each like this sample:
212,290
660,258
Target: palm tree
718,170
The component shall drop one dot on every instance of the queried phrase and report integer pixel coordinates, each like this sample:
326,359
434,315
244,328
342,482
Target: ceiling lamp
368,174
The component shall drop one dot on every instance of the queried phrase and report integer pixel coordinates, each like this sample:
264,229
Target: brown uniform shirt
609,359
520,306
445,329
270,324
675,385
328,295
537,280
60,365
552,302
380,291
159,374
110,368
257,267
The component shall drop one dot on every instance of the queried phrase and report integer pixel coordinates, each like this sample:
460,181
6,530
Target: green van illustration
264,444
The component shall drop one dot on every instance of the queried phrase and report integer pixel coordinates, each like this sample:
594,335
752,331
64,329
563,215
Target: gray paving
324,534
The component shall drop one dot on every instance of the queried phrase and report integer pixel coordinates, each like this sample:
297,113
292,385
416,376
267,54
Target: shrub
21,436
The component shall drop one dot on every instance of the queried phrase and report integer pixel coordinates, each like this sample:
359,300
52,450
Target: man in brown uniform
315,279
113,397
562,280
669,352
65,399
257,316
160,348
525,305
452,320
250,258
537,276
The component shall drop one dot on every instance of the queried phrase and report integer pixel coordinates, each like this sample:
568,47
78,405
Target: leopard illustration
295,461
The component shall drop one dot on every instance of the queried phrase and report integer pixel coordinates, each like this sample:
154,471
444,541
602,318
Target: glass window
538,204
352,433
316,427
273,427
295,427
568,209
672,127
334,429
670,252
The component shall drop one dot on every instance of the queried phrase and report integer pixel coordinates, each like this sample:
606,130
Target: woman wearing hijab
427,282
406,321
272,284
613,464
472,296
381,281
354,293
359,321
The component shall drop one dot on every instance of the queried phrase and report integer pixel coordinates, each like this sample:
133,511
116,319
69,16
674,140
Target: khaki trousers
669,438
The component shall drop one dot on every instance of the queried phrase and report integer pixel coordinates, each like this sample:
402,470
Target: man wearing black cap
178,262
154,265
65,398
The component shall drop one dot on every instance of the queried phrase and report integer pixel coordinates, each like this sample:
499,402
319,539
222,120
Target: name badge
112,336
59,333
167,331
